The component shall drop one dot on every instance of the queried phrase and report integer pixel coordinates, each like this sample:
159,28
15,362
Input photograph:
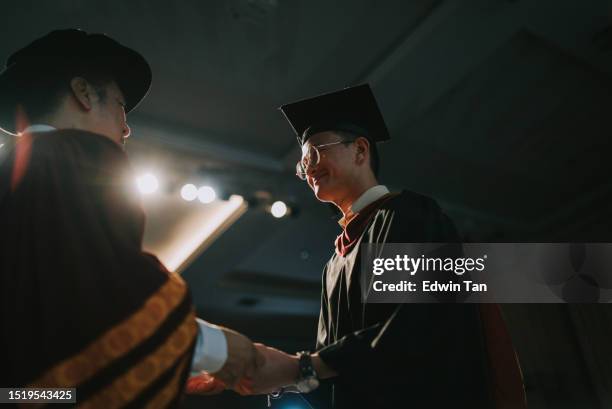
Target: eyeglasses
124,107
312,156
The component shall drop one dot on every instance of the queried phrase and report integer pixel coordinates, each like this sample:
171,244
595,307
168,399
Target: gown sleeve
77,291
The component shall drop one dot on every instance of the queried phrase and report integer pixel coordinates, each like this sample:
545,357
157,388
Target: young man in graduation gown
82,306
384,355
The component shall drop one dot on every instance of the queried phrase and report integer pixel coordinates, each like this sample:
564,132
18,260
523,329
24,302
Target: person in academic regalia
82,306
385,355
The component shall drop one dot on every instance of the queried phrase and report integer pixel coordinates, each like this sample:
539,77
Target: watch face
308,384
302,387
313,383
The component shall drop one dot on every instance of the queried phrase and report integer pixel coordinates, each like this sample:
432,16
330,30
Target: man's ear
363,149
82,92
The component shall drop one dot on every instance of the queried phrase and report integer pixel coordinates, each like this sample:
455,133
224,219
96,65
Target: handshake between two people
252,369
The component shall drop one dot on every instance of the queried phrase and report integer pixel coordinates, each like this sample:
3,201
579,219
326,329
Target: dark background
500,110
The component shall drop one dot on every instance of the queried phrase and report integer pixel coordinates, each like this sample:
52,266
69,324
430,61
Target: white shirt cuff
211,348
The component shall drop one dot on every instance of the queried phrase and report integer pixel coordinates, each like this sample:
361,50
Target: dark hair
40,91
374,157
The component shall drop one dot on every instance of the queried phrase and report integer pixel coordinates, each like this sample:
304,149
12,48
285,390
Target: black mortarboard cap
68,51
351,109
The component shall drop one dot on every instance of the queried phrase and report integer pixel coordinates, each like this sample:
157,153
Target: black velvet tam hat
352,110
67,52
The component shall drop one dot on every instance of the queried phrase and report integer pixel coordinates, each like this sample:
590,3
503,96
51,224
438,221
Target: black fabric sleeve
417,336
71,231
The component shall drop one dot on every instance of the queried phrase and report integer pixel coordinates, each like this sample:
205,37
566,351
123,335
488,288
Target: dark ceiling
500,110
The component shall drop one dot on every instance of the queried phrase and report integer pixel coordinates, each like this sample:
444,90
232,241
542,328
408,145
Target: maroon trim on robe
505,372
356,226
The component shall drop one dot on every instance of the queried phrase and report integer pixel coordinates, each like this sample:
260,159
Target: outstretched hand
243,359
280,369
204,384
271,370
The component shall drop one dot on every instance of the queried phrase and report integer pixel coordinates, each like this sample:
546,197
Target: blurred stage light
236,199
206,194
278,209
189,192
204,225
147,183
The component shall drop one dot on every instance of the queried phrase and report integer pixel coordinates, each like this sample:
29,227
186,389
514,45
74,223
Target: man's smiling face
331,178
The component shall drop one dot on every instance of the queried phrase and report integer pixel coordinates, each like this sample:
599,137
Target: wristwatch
307,380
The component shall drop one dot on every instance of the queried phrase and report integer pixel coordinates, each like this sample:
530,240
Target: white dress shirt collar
38,128
368,197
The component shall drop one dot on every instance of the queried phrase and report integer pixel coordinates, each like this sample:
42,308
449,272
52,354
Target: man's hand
280,369
204,384
242,359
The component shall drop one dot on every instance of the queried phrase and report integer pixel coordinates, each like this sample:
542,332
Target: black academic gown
400,355
81,305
